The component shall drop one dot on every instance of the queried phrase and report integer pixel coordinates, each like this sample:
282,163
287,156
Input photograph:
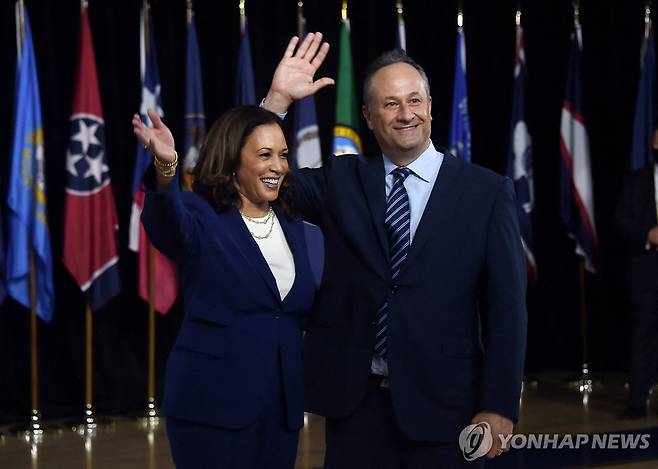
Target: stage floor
549,407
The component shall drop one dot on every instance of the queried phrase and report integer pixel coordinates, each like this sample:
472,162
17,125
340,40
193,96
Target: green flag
346,130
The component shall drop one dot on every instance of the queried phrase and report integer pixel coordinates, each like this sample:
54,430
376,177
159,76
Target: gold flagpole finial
343,11
647,11
518,17
301,21
460,18
398,7
243,15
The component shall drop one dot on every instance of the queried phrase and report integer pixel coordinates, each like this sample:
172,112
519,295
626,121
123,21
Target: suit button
276,316
372,323
395,288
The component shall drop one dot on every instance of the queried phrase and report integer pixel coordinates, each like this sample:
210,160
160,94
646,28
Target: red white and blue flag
519,156
90,216
576,194
165,280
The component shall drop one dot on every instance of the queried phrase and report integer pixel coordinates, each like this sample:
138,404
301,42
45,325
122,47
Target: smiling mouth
407,127
270,183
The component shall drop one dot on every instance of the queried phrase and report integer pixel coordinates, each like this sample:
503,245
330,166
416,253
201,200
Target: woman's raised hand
157,139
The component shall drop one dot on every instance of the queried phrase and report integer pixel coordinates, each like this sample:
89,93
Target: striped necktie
398,227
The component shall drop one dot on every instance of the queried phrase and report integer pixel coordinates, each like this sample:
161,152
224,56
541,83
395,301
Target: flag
643,121
26,197
460,127
576,195
346,130
165,279
307,136
401,38
195,118
519,156
90,216
245,92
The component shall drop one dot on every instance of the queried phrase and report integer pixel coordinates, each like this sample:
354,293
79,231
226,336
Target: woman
233,389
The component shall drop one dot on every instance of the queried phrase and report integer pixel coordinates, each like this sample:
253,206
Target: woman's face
263,166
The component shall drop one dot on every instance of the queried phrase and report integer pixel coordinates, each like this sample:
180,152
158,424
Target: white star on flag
86,135
71,161
96,167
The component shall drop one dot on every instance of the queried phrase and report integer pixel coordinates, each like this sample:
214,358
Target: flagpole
585,383
152,414
33,433
189,12
401,42
343,11
35,430
517,21
88,428
647,19
301,21
21,22
151,419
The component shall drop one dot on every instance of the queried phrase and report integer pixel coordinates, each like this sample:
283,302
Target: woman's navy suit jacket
237,332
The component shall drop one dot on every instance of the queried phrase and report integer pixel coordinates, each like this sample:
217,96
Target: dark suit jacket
236,331
457,315
634,216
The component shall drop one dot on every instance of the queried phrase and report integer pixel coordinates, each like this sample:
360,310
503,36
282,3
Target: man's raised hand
293,77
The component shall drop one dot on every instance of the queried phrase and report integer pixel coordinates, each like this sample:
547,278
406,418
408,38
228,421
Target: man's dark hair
219,158
389,58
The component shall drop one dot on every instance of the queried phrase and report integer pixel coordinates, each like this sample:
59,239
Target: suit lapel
440,207
250,250
372,177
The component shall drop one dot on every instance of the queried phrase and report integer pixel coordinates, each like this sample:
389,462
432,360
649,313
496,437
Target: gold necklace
269,232
259,220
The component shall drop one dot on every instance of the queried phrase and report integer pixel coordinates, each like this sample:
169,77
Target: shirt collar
423,166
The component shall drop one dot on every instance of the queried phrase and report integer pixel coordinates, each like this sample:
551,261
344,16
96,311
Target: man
635,221
419,326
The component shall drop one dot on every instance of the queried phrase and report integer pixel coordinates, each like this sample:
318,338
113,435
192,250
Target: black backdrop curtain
612,34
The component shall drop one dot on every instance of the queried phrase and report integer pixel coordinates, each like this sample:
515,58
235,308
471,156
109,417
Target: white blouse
275,250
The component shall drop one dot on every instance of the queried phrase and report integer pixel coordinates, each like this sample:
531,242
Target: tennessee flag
90,217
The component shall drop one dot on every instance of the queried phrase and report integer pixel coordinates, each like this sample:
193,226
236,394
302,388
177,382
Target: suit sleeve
503,308
627,223
168,224
309,189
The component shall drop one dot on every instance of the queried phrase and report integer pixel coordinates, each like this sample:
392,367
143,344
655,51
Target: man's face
399,112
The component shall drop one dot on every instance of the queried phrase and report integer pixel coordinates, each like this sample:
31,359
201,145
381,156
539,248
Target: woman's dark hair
219,158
